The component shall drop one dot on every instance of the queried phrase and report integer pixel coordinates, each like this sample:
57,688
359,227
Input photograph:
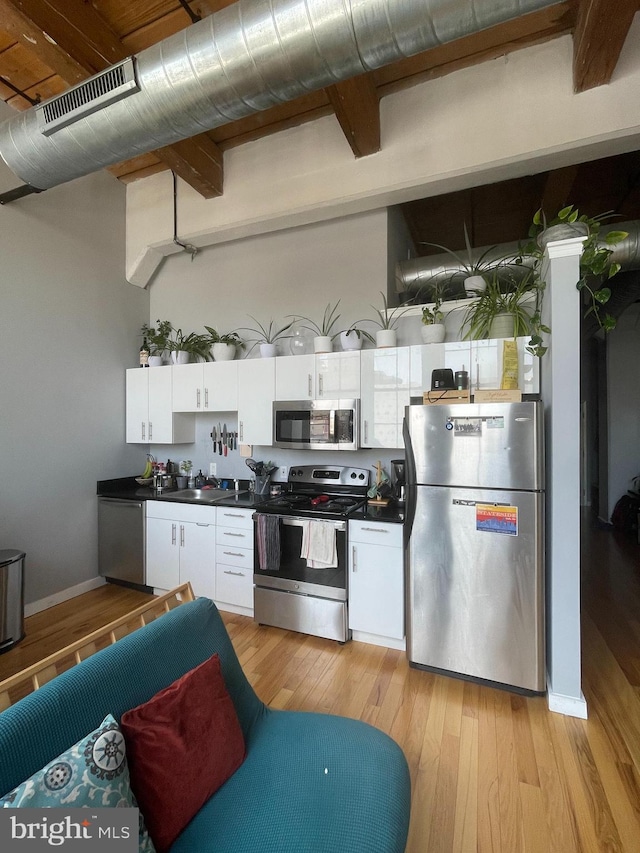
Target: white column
560,385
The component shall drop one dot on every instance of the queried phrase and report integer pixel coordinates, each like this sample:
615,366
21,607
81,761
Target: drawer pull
233,554
202,524
241,535
237,574
233,515
374,529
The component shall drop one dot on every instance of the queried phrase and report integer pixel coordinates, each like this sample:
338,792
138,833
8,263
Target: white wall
298,270
623,404
69,323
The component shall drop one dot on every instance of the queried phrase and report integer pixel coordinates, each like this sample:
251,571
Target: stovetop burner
331,491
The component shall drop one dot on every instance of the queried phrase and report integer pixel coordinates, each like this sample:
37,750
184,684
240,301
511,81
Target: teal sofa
310,783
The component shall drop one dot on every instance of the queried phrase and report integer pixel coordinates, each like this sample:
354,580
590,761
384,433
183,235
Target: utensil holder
262,485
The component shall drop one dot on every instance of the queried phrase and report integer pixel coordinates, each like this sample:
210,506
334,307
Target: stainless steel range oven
301,551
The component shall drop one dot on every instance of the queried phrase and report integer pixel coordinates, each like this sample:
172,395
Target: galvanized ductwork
416,276
247,57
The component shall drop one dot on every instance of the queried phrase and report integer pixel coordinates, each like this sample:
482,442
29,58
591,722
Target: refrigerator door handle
410,497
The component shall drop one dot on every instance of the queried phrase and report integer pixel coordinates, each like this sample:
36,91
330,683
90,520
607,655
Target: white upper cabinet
385,377
149,415
337,375
205,387
256,390
295,377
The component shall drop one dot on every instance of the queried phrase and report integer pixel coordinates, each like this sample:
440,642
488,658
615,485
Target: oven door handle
299,522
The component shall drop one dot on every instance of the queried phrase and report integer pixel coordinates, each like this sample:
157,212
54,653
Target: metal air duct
247,57
414,276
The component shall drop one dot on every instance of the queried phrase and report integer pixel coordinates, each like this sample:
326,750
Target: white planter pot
323,343
350,341
180,357
433,333
223,352
501,326
562,231
386,338
267,350
474,285
155,361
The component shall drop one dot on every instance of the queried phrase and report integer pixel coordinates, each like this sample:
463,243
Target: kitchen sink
200,496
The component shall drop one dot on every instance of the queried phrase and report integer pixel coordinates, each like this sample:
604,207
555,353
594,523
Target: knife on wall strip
225,438
219,438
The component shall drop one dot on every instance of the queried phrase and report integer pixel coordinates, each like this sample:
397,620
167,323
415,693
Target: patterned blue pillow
92,774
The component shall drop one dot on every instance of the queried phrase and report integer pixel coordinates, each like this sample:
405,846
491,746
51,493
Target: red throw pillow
182,745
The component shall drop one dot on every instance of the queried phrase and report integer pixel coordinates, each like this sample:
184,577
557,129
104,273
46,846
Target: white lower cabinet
181,543
376,583
234,560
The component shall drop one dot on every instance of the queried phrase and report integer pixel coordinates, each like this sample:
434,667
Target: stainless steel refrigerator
474,541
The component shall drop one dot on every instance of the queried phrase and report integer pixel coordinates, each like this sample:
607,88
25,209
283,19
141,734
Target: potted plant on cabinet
223,347
433,329
596,267
352,338
322,331
157,340
387,321
509,308
182,346
474,269
267,336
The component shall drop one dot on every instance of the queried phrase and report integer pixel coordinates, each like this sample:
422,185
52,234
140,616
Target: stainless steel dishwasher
121,539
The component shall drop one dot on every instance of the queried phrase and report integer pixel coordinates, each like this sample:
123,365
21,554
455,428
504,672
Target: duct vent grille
87,97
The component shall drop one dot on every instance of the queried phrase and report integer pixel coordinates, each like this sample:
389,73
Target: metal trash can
11,598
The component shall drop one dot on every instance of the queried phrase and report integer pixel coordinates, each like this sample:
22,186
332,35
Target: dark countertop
126,488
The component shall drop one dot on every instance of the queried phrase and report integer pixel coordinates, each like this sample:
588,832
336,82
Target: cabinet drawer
232,555
181,512
234,586
376,533
235,536
229,516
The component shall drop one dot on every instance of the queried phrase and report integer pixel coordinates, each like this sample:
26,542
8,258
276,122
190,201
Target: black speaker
442,380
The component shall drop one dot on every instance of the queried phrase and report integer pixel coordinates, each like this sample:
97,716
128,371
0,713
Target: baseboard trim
568,705
377,640
63,595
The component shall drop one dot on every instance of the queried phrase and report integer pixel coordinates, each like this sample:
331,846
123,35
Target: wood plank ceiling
48,45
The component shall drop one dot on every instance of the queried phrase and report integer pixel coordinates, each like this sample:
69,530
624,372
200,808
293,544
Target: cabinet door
197,557
426,358
256,388
338,375
295,377
160,412
220,386
385,392
376,590
163,558
187,394
137,405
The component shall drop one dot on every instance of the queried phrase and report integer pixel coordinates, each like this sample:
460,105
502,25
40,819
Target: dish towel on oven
319,545
268,539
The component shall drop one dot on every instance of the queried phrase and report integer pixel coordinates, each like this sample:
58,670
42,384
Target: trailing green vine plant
596,267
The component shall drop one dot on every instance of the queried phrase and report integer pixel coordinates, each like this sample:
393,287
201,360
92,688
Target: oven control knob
353,475
362,476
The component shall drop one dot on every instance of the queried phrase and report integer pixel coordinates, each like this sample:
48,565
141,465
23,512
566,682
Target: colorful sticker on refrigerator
492,518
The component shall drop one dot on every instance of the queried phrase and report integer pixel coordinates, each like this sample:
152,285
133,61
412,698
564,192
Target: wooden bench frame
48,668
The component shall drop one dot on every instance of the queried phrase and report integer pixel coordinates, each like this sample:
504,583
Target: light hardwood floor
490,770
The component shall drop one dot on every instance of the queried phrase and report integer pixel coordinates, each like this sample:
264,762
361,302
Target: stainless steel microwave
316,424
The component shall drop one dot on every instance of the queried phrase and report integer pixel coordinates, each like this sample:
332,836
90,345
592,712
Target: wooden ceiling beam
600,33
357,108
72,39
